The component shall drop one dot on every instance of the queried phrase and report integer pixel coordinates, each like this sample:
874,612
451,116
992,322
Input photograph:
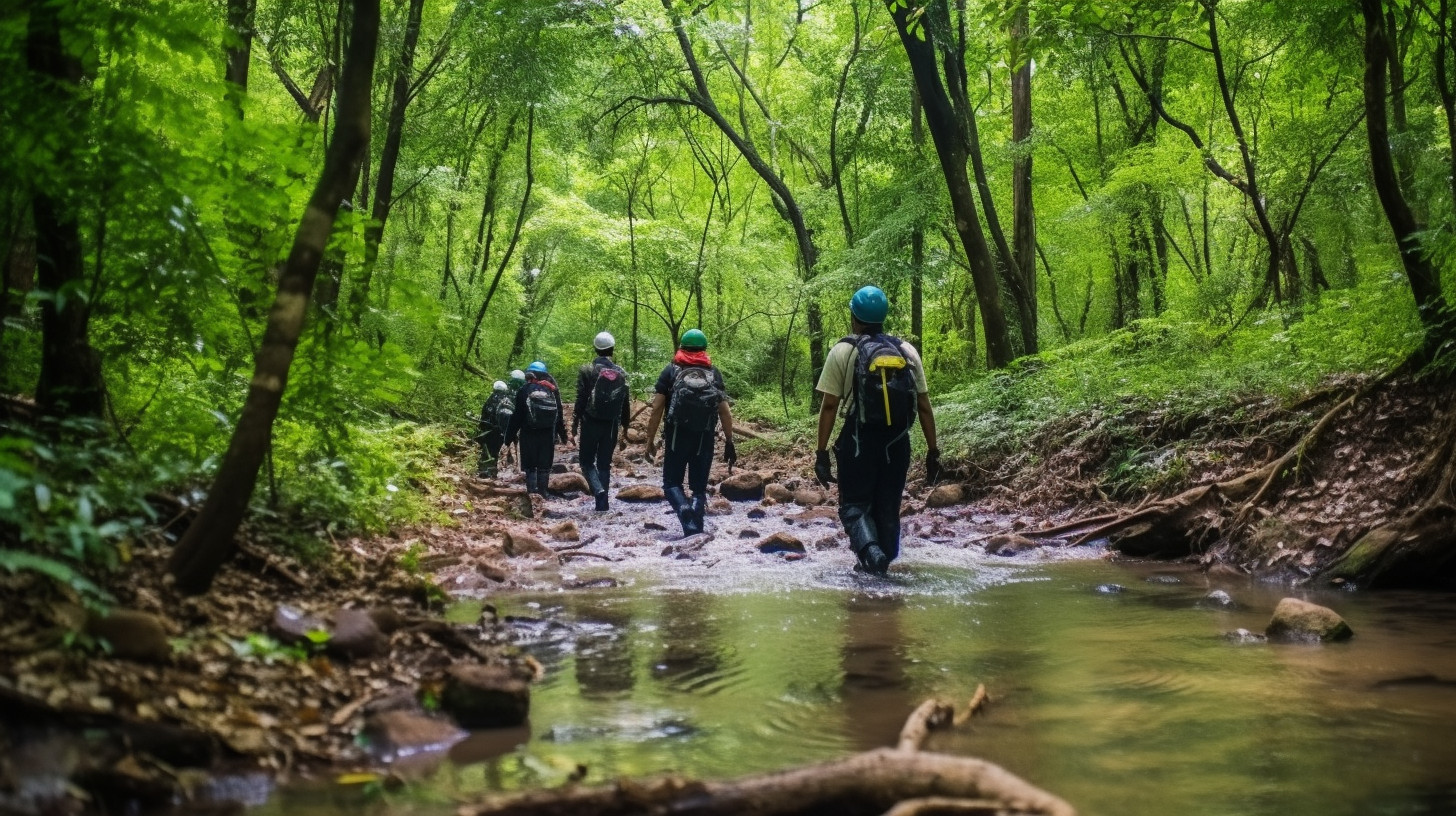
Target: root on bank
901,781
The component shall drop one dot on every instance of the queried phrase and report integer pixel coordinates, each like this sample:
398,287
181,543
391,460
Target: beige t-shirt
838,375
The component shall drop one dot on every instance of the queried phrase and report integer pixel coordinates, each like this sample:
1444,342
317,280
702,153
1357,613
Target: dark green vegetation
243,245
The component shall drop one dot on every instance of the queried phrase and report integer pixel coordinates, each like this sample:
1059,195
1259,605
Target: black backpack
884,384
501,415
541,406
608,392
694,399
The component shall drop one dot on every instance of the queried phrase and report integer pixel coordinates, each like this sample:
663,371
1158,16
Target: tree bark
70,381
238,47
1425,281
209,540
950,147
388,161
1023,212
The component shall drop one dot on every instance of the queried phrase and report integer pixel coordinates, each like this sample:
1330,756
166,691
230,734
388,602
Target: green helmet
694,340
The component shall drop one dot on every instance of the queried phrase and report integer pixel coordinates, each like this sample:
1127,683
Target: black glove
730,453
932,466
822,469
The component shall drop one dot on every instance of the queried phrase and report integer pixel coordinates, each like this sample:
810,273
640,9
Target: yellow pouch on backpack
884,365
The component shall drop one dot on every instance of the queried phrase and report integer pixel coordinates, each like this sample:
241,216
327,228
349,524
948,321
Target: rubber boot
864,540
602,502
685,516
699,510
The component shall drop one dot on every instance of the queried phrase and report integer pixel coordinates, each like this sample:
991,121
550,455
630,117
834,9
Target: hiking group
873,381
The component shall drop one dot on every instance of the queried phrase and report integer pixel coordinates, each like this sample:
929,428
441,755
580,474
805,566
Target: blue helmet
537,367
869,305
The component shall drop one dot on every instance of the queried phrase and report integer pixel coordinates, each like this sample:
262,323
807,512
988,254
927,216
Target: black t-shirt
664,387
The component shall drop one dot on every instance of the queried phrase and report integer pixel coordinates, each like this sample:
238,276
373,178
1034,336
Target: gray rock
1298,620
1164,579
481,696
640,493
781,542
292,625
355,635
778,493
1008,544
757,513
1245,636
945,496
402,731
1110,589
1218,598
131,635
745,486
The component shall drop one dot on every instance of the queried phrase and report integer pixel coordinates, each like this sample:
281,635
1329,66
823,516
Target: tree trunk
1023,212
70,381
515,234
388,161
917,236
946,134
1425,281
209,540
238,48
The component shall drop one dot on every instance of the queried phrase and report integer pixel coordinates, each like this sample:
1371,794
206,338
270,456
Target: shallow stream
1113,685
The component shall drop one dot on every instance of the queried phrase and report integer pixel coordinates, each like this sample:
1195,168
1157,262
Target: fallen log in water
900,781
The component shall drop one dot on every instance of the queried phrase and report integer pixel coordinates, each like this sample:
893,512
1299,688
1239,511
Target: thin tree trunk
238,48
946,133
1023,212
70,381
917,235
1425,281
515,234
209,540
388,161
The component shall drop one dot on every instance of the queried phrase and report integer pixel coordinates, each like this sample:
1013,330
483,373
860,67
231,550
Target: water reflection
875,693
1122,703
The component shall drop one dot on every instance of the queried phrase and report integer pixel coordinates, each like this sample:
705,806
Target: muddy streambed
1113,683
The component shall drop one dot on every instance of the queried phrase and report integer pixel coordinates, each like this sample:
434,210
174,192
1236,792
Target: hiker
537,418
690,393
495,417
518,381
880,382
603,407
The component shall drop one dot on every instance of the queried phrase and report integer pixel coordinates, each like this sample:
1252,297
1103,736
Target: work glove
823,471
932,466
730,454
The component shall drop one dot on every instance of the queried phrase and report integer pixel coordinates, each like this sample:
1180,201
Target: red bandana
691,358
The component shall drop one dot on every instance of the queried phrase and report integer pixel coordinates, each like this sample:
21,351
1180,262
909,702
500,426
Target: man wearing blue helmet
880,382
538,417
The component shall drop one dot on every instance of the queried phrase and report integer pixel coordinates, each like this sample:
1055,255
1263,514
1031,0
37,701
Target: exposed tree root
896,782
1418,549
1173,526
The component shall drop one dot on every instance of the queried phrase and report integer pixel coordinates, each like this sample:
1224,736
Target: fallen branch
931,715
866,783
1053,532
268,562
978,702
569,555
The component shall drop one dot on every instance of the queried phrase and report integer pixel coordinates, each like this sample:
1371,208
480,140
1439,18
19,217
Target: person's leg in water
675,459
889,492
699,466
598,441
858,471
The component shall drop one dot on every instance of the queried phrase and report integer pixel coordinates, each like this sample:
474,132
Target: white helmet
500,387
604,341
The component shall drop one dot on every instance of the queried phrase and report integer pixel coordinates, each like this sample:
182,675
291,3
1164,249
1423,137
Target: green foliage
68,502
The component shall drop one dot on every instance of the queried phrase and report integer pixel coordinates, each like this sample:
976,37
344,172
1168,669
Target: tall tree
947,132
208,542
70,369
1423,276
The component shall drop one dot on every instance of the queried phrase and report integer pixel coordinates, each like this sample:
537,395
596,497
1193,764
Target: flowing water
1113,685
